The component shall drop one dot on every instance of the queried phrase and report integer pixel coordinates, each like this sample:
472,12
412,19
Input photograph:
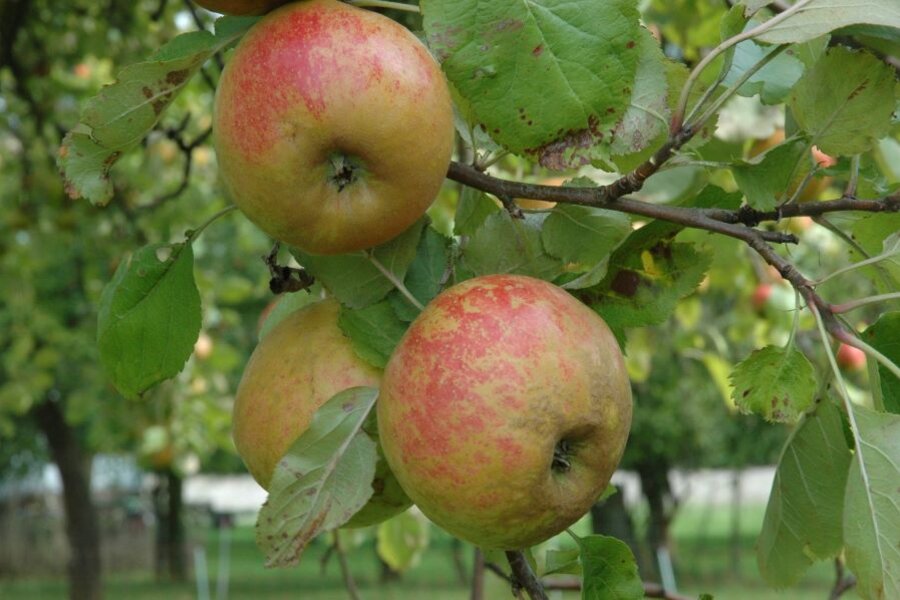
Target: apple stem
523,578
389,275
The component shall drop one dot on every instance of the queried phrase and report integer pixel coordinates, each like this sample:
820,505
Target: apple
504,410
297,367
816,185
240,7
761,296
850,358
333,127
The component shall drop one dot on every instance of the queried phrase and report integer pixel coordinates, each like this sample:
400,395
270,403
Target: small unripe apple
504,410
850,358
333,127
297,367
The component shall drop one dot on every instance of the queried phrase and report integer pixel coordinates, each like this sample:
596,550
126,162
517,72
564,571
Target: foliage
600,97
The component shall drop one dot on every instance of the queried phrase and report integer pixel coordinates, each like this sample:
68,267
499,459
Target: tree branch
733,223
523,578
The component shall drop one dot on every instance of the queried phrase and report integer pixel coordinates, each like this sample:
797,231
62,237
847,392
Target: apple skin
241,7
333,127
850,358
481,389
297,367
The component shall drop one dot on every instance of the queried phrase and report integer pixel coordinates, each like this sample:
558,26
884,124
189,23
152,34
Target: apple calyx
345,170
561,454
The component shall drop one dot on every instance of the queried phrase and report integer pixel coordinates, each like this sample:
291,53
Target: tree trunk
655,486
82,523
171,553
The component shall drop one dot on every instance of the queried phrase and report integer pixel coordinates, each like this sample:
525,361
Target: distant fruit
504,410
333,127
850,358
760,296
297,367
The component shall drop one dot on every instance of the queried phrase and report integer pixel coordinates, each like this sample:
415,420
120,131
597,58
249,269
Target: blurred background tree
58,253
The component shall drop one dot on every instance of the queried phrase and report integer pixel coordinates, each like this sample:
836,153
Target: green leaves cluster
116,120
559,84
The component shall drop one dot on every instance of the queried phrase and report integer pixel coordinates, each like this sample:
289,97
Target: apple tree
56,255
649,119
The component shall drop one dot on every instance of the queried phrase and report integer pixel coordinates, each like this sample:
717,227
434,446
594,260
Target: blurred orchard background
155,488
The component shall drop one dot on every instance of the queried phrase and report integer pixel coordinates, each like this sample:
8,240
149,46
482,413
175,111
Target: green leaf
884,336
566,562
427,273
777,383
803,517
507,245
643,287
374,330
353,278
855,111
122,114
873,233
403,540
580,63
774,81
610,571
656,231
871,506
732,24
821,16
473,209
766,178
322,481
646,120
149,317
583,235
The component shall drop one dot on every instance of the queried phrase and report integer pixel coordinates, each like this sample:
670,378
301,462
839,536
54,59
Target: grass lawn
702,554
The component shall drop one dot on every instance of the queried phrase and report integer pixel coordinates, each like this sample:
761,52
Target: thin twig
478,567
352,591
860,302
651,590
678,117
863,263
842,583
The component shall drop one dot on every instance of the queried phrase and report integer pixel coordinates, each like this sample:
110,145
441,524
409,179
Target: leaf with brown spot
338,461
562,65
122,114
776,383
